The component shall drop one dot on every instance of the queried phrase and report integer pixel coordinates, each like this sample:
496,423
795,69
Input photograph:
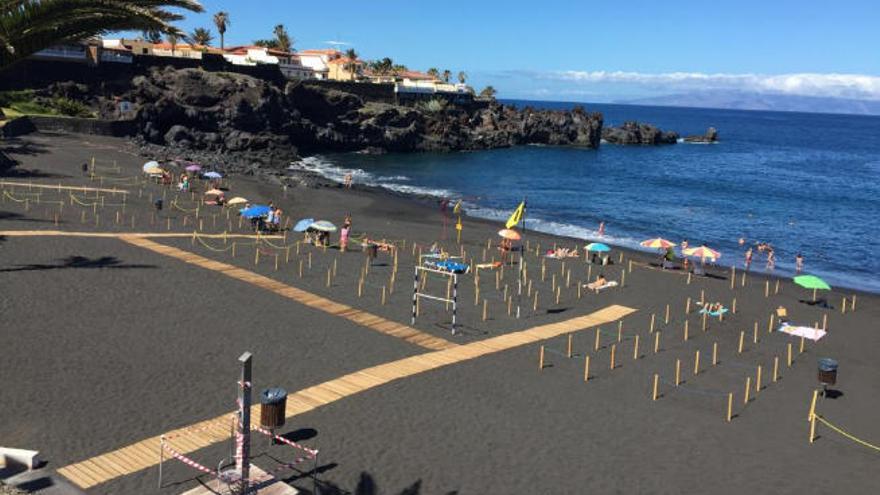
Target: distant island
741,100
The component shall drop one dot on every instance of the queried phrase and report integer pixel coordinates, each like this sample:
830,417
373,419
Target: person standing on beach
799,263
601,229
344,233
748,261
771,260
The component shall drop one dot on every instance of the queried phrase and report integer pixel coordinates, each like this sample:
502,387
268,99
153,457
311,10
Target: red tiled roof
326,51
344,60
414,74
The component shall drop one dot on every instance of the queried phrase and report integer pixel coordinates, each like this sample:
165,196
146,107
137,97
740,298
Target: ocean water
807,183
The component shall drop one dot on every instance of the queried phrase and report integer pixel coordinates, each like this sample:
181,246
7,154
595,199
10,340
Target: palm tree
29,26
398,68
433,72
285,42
172,40
352,63
273,43
201,36
462,77
488,93
446,75
221,20
153,36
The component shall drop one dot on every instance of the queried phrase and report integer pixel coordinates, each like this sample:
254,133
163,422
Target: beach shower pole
244,425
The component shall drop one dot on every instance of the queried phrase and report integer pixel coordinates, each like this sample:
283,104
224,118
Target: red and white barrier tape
189,462
312,452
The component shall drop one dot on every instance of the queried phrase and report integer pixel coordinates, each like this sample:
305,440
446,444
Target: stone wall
383,93
24,125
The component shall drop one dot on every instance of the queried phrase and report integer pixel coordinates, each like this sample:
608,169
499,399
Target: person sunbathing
599,283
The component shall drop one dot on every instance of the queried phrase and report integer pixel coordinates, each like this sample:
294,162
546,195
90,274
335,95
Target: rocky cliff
232,118
638,133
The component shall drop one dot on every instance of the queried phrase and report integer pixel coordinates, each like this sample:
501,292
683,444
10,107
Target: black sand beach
106,344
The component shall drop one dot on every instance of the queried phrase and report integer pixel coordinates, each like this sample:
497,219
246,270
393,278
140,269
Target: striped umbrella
657,243
703,253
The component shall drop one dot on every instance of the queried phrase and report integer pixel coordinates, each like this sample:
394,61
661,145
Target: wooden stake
329,274
739,349
813,428
755,333
714,353
656,383
541,359
730,405
766,288
300,268
535,305
789,354
587,368
636,347
598,333
677,372
697,362
705,317
613,348
383,295
775,368
842,305
825,322
666,320
733,309
651,328
852,306
569,346
687,307
485,310
620,330
656,341
689,278
758,381
748,389
776,289
770,323
686,322
812,411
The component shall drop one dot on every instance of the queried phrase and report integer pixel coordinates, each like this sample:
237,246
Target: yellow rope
273,245
212,248
174,204
847,435
77,201
5,193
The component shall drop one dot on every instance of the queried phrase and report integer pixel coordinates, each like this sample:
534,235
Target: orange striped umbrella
703,252
657,243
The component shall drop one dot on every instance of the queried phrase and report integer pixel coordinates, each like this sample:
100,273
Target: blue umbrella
598,247
212,175
303,224
255,211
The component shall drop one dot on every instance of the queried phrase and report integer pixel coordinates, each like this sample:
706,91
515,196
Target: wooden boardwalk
145,454
315,301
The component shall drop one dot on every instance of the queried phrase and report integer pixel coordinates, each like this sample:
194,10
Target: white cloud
804,84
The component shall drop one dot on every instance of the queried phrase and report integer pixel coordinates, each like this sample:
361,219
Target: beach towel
714,313
805,332
607,285
452,266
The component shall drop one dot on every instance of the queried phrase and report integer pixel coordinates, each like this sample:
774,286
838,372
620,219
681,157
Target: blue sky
594,50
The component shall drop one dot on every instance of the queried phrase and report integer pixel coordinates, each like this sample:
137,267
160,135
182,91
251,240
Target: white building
318,60
290,64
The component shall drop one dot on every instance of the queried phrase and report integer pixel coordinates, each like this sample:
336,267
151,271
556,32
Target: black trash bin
827,371
273,402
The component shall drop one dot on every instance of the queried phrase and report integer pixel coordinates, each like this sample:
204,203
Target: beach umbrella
812,282
215,192
151,164
254,211
510,234
212,175
193,168
703,253
323,226
303,224
657,243
238,200
598,247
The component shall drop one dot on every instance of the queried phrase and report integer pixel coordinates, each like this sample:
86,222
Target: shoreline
427,199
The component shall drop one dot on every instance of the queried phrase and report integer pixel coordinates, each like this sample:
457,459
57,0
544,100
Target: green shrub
71,108
434,105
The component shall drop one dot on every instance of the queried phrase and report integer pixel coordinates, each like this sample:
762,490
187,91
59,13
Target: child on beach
601,229
748,261
771,260
799,263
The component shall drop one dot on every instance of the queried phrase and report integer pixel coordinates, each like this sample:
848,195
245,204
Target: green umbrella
812,282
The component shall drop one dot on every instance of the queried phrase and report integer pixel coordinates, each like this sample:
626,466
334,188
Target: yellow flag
516,216
456,210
